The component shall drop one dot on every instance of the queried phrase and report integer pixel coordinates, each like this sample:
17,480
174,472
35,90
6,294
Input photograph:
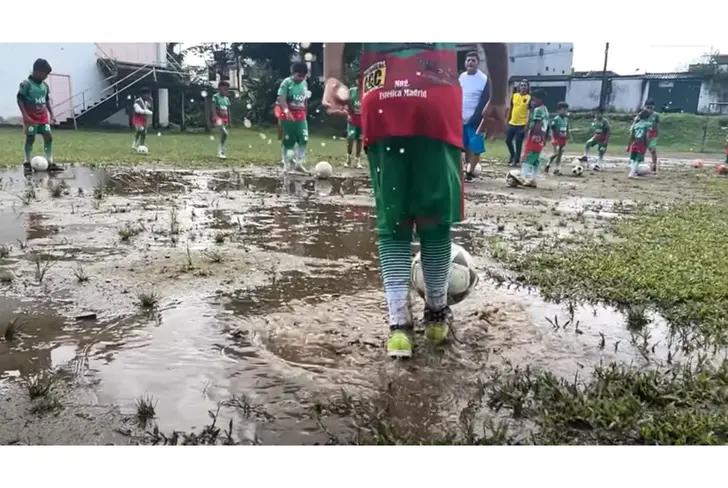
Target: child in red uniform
142,110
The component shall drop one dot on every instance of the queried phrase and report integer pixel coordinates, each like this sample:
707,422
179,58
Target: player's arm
496,110
333,74
283,98
50,109
20,98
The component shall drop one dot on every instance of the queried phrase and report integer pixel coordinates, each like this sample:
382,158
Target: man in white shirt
474,84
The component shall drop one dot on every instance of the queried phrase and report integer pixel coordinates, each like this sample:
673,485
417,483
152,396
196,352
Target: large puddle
290,316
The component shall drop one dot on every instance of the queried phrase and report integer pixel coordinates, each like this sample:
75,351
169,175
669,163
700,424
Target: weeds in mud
188,253
129,231
28,195
22,244
99,190
49,403
4,251
145,409
213,255
40,385
684,404
42,265
14,326
148,300
173,222
80,273
219,238
209,435
57,188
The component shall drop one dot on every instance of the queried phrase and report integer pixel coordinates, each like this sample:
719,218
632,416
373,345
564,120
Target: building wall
626,95
131,52
540,59
78,60
713,98
583,94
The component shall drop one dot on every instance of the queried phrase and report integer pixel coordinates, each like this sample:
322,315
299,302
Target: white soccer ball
477,170
39,163
463,277
514,178
323,170
577,169
643,169
143,150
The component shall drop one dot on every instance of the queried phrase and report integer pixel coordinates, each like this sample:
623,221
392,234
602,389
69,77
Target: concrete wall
78,60
540,59
132,52
626,95
713,94
583,94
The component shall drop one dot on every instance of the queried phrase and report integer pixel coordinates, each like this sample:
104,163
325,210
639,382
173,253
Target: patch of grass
145,409
42,265
4,251
685,404
148,300
674,261
173,222
219,238
40,385
209,435
213,255
57,188
80,273
129,231
49,403
29,194
14,325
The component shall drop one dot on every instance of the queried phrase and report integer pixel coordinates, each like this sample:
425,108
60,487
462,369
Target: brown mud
269,292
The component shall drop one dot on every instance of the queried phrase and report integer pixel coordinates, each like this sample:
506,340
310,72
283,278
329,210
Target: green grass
674,261
681,133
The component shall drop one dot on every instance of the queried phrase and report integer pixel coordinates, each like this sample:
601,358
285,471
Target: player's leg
559,155
530,168
349,143
358,149
390,175
510,135
223,140
48,146
474,148
554,155
28,147
635,159
589,144
288,143
652,145
301,132
437,203
520,135
142,131
601,151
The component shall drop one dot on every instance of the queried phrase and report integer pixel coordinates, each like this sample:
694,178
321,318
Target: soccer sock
436,258
223,138
395,259
142,136
28,148
300,155
48,149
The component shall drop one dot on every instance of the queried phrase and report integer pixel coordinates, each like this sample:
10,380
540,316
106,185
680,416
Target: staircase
122,80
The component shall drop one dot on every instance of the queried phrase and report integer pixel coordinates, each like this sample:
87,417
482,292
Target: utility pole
603,92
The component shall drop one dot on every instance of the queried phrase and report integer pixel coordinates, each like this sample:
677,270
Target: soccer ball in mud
722,169
514,178
142,150
39,163
323,170
477,170
463,277
643,170
577,169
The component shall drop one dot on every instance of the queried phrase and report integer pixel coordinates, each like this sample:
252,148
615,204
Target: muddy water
292,314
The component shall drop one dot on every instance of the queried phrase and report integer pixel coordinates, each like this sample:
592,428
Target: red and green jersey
600,130
221,104
654,120
639,133
354,106
538,122
34,97
296,96
560,125
411,89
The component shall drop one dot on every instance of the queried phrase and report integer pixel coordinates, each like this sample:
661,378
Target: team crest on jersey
375,76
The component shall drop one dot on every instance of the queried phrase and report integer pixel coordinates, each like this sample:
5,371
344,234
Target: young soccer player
559,136
599,138
292,98
538,126
221,115
638,141
35,107
353,125
142,111
654,119
411,116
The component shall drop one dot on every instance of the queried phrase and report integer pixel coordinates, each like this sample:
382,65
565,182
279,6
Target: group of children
642,138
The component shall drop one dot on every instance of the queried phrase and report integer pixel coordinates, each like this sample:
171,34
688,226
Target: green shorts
353,132
637,157
415,179
652,144
533,159
295,132
32,130
601,147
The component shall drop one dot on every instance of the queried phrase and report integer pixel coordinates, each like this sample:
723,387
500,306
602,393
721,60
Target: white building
90,81
529,58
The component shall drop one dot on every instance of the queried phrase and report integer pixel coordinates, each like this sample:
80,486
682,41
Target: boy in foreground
559,136
538,126
292,99
411,116
35,108
638,141
600,138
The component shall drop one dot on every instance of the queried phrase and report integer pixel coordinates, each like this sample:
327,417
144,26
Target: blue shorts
472,141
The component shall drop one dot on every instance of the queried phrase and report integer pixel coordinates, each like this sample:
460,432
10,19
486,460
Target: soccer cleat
27,167
596,167
469,176
584,159
221,155
632,174
530,183
358,164
547,168
300,168
399,344
54,167
557,172
437,324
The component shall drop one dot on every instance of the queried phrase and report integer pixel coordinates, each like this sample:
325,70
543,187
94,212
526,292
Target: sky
627,58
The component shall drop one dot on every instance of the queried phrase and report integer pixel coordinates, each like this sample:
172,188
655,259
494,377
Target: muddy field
257,298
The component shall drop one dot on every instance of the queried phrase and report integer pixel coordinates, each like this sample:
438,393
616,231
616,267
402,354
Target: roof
597,75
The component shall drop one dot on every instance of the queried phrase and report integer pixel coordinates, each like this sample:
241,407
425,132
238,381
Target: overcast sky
625,57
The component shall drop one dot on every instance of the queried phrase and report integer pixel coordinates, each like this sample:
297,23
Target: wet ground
269,300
